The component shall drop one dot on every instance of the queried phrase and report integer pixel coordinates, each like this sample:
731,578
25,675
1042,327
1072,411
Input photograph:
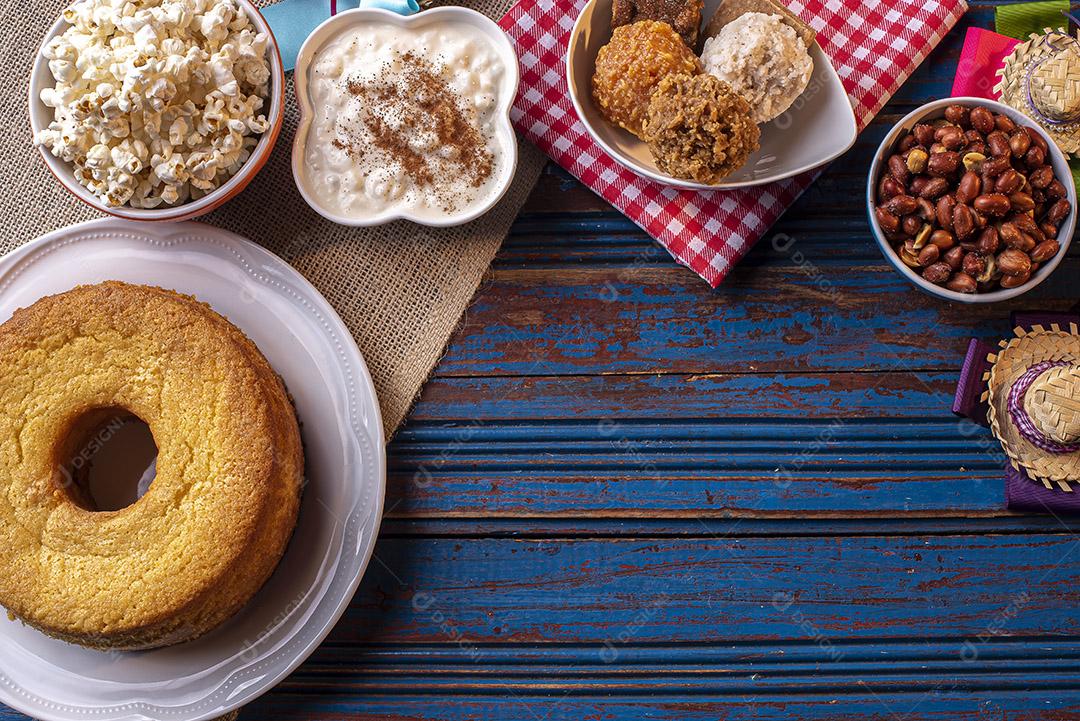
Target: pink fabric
983,55
874,47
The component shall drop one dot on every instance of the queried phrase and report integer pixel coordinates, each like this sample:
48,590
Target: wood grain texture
626,496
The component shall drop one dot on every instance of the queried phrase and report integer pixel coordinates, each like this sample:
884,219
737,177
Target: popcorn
155,101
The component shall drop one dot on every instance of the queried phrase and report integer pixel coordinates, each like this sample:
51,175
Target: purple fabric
970,387
1027,319
1024,494
1021,492
1023,421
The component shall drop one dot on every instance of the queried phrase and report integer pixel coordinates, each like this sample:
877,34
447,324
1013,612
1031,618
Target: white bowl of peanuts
970,201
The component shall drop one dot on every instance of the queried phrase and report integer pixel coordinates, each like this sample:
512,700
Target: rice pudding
405,121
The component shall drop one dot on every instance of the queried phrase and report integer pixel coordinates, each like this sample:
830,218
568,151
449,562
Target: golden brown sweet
682,15
632,64
698,128
217,517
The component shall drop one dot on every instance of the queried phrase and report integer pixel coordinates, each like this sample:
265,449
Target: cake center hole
114,463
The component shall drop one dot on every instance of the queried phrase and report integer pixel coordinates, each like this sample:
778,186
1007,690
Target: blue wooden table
626,496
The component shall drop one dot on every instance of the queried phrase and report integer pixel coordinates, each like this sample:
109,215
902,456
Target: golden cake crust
215,521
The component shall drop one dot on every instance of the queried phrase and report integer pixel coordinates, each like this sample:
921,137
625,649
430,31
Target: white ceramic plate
819,126
310,347
504,137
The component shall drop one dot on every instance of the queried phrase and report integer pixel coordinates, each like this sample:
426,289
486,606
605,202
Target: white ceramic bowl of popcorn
273,108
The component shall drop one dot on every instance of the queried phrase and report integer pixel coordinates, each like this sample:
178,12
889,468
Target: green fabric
1020,20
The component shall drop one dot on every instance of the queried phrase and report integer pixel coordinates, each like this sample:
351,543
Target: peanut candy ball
698,128
632,64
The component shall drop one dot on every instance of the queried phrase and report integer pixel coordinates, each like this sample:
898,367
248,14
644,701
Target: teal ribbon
293,20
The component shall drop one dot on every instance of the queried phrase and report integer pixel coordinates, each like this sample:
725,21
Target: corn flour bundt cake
215,521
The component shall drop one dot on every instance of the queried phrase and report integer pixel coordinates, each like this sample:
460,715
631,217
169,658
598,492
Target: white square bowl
819,126
505,137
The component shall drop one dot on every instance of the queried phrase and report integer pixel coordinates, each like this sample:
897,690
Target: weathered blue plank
551,705
936,589
821,316
656,398
636,468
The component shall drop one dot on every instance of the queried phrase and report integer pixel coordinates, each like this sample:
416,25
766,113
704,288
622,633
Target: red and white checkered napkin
874,47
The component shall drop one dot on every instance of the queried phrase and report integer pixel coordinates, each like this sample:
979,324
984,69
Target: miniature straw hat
1034,400
1041,78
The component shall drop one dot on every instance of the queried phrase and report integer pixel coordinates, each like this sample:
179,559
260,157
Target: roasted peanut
1044,251
982,120
898,169
929,255
901,205
945,206
998,142
1056,190
943,239
934,188
943,164
911,224
1004,123
1021,202
1058,211
974,264
1013,262
889,188
969,188
1019,142
994,204
1009,182
1041,177
963,221
954,257
1034,157
953,139
1037,139
888,221
937,273
973,161
958,115
961,283
909,255
1015,281
988,241
916,160
924,134
996,165
1009,234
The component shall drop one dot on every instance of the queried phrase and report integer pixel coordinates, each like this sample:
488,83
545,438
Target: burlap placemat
400,288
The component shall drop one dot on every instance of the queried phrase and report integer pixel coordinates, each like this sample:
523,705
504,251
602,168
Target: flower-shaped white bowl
931,111
41,116
819,126
505,137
